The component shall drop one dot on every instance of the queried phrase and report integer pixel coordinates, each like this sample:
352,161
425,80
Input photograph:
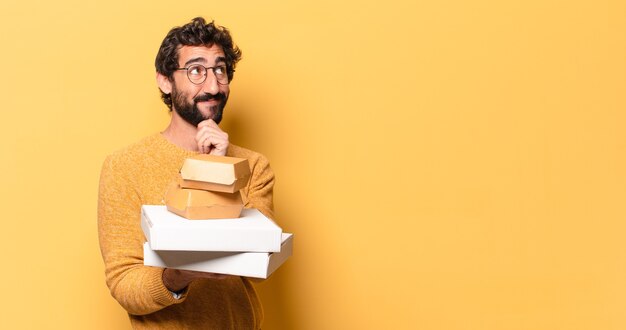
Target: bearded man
194,66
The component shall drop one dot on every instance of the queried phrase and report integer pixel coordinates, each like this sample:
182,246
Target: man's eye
221,70
195,71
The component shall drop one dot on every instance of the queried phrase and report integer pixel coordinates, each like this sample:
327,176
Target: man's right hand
176,280
211,139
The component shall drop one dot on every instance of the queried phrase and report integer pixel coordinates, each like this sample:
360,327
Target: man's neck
181,133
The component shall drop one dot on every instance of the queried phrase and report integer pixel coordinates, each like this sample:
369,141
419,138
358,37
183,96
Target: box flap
215,169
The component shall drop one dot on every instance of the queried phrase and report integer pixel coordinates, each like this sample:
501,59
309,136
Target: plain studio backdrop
443,164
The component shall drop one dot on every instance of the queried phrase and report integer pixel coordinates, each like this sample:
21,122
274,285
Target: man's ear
165,85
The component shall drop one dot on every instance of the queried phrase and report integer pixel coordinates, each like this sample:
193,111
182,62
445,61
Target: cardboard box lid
252,232
216,169
250,264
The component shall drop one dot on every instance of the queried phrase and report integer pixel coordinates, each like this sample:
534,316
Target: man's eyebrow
195,60
203,60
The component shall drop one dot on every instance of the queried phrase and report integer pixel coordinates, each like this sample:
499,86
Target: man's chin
214,111
207,111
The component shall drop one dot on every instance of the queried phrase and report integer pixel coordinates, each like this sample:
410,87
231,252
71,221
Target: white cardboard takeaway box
251,232
250,264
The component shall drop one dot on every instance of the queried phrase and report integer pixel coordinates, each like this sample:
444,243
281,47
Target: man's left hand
211,139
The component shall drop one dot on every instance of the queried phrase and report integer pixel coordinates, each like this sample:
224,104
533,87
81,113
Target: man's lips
208,103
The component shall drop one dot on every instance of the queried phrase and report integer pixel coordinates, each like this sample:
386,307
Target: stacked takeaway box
204,227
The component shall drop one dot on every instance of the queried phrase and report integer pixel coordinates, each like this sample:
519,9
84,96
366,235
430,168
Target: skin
207,137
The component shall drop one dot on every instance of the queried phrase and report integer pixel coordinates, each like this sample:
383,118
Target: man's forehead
200,54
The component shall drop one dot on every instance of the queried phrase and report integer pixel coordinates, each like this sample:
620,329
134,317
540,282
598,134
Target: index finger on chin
207,123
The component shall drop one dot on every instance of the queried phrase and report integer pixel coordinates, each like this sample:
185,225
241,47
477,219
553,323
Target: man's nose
210,85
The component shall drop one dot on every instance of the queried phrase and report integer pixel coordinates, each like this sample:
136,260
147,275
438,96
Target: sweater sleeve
138,288
261,187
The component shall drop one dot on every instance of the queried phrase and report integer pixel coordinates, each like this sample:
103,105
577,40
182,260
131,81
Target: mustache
208,97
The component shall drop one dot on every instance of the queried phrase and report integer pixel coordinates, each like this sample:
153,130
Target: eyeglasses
197,73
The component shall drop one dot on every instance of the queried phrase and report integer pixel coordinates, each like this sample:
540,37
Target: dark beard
190,112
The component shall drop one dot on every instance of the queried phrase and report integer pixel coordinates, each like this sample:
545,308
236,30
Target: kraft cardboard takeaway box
201,204
250,264
215,173
252,232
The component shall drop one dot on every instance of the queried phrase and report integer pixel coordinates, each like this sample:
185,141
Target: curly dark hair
195,33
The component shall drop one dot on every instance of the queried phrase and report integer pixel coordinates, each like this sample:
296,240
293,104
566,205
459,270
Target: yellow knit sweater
137,175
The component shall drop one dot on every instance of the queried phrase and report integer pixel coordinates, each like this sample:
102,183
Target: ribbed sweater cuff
159,292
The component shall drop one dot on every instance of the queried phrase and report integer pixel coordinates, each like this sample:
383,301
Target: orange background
444,165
